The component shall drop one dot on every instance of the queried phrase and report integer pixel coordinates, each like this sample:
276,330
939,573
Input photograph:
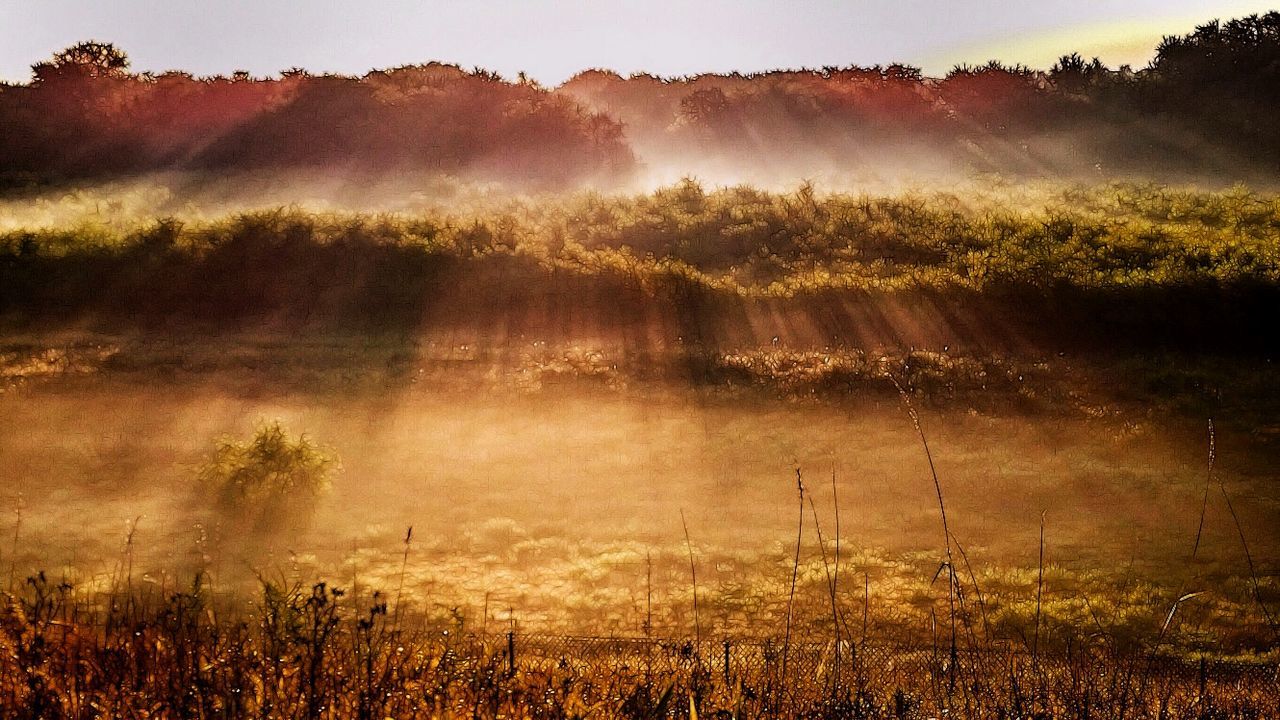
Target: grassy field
593,409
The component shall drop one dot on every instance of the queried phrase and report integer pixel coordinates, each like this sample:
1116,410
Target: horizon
269,38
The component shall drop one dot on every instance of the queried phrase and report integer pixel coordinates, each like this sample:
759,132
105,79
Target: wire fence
808,670
295,659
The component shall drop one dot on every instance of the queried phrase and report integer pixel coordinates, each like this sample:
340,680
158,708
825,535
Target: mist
989,355
545,500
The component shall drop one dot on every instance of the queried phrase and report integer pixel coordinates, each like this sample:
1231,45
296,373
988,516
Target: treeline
1204,105
85,116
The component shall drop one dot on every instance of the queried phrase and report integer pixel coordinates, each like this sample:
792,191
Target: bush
269,483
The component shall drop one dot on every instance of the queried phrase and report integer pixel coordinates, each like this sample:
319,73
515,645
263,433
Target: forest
1203,107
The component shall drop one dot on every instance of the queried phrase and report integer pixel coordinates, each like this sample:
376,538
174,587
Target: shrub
268,483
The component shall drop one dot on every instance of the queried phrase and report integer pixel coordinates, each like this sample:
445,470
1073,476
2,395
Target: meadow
335,458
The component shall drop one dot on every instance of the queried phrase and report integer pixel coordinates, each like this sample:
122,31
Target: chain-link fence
810,671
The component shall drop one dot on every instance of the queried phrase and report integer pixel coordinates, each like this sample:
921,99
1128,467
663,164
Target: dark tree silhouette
84,115
1206,102
90,59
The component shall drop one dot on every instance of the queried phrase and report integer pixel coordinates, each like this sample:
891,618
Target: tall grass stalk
693,578
404,565
1248,556
17,532
831,589
948,562
1204,501
835,571
1035,645
795,574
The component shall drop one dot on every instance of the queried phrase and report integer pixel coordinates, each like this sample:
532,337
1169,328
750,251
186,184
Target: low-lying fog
553,505
140,201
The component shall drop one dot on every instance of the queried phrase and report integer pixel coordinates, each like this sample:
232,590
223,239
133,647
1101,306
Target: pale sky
553,40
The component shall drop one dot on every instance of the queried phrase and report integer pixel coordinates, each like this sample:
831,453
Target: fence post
511,652
726,663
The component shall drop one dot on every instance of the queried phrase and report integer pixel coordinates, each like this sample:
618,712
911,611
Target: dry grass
319,653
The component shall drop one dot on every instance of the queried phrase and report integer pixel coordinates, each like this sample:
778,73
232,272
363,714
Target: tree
1073,75
90,59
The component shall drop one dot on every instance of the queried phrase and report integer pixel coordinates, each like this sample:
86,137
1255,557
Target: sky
551,41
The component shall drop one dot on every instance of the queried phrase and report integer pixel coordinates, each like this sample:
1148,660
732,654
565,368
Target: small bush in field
270,482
